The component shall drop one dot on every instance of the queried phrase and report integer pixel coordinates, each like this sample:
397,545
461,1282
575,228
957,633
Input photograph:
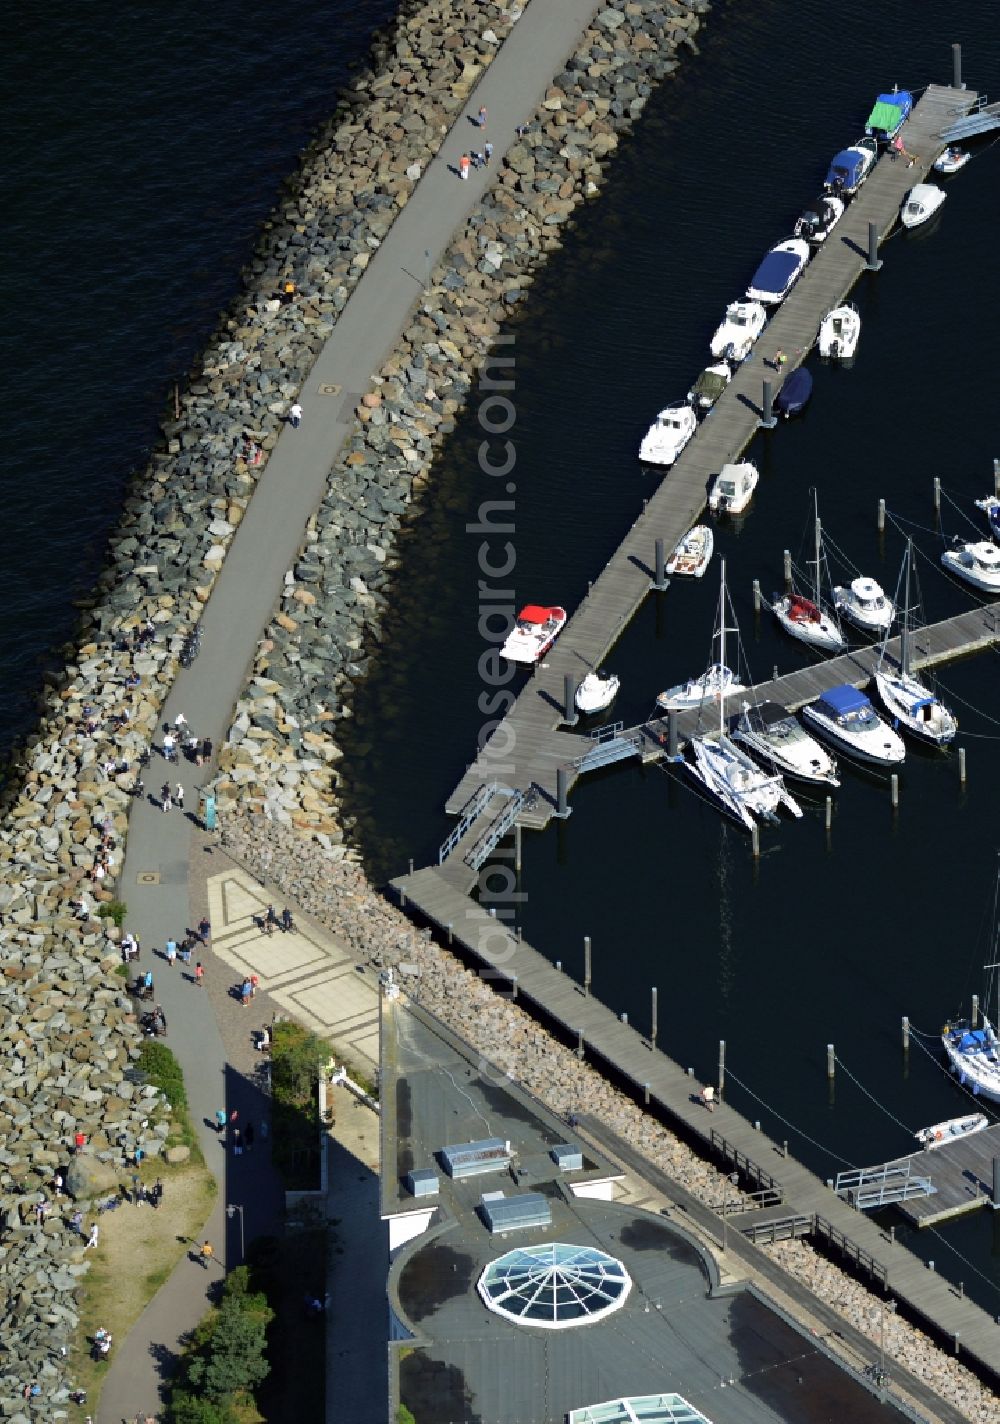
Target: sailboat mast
722,638
904,637
819,536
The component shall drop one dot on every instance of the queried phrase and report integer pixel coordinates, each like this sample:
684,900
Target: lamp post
231,1212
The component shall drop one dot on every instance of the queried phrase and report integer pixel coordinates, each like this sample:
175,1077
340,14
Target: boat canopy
776,271
803,610
885,116
975,1038
846,168
534,613
844,699
710,383
767,714
795,391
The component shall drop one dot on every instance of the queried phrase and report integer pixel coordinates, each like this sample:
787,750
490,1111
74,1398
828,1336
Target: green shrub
404,1415
162,1069
296,1058
113,910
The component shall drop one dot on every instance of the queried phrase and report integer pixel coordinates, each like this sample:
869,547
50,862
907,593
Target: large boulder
88,1176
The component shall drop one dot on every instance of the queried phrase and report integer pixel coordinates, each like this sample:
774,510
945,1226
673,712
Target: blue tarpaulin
845,699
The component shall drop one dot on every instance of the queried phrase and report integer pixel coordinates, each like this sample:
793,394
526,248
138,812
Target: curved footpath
154,881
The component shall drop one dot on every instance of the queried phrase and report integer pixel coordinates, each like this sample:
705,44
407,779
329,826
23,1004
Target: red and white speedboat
534,633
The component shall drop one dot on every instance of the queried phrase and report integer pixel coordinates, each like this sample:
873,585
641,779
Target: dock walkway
617,594
724,1133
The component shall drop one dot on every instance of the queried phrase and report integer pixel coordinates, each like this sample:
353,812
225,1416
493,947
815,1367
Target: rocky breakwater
282,753
337,895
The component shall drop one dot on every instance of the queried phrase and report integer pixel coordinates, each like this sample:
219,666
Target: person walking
246,991
165,798
464,164
481,118
236,1140
206,1254
169,747
94,1237
170,952
487,153
180,722
204,929
156,1195
206,749
220,1120
199,975
179,795
295,416
287,923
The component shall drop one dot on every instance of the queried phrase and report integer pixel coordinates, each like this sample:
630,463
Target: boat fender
938,1136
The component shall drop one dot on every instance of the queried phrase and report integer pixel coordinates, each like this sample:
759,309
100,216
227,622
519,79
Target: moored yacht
738,330
865,604
534,632
596,693
846,717
803,619
778,739
991,508
779,271
889,114
912,705
714,685
839,333
710,384
693,554
921,203
978,563
733,488
818,220
974,1054
952,160
668,434
850,167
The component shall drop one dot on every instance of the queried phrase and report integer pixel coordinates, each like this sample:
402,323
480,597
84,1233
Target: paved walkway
155,878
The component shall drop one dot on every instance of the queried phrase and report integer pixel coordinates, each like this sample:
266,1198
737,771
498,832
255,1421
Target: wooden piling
961,766
881,516
831,1061
586,964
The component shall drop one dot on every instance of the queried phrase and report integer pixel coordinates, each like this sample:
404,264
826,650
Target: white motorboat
839,332
978,563
714,685
776,737
725,771
819,220
921,203
974,1054
534,632
693,554
952,160
709,386
596,693
779,271
733,488
739,329
846,717
669,433
805,618
864,603
911,704
943,1134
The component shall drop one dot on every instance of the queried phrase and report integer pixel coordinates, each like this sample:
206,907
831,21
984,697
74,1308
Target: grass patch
159,1066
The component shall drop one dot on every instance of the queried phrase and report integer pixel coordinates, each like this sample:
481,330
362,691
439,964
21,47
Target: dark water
144,145
828,939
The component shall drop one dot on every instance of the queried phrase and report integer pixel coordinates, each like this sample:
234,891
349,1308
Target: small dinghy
942,1134
733,488
709,386
952,160
595,692
714,685
693,554
819,220
921,203
794,395
839,333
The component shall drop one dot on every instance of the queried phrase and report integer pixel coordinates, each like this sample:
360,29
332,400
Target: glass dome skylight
554,1286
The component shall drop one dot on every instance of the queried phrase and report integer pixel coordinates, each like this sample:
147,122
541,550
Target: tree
233,1357
296,1058
188,1408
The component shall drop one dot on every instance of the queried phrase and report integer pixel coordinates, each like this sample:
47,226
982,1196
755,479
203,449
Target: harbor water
144,158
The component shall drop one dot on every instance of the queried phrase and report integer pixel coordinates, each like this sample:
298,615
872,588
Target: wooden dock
962,1173
724,1134
531,727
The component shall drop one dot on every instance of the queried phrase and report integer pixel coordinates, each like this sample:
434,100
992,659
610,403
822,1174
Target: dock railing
745,1165
864,1261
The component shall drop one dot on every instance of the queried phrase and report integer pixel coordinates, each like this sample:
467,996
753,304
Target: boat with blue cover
779,271
974,1054
846,717
795,392
889,114
850,167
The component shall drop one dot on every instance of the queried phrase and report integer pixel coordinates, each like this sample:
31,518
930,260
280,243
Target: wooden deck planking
962,1172
620,1046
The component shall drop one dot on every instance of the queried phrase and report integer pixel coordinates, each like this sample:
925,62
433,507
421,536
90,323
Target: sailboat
805,618
725,771
912,704
973,1048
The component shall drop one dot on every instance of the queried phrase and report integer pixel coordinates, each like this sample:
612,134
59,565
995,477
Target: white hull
823,634
737,783
977,1064
865,605
733,488
921,203
595,693
978,564
915,709
693,554
943,1134
528,640
878,746
667,436
743,323
787,748
714,685
951,161
839,334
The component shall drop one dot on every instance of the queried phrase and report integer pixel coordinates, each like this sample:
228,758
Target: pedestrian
248,1137
234,1117
780,359
170,952
169,746
286,920
487,153
707,1096
482,116
180,722
464,164
521,130
184,951
254,985
478,161
199,975
136,1188
92,1239
156,1195
271,919
220,1120
165,800
204,930
236,1139
76,1221
147,984
295,416
205,1254
57,1184
206,749
179,794
246,991
80,1141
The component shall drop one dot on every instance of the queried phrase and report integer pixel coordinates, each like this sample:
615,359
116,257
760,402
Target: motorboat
846,717
839,332
733,488
714,685
669,433
863,603
779,740
955,1129
709,386
724,770
819,219
534,632
806,620
952,160
779,271
794,395
850,167
693,554
974,1054
978,563
596,693
738,330
889,114
921,203
991,508
911,704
